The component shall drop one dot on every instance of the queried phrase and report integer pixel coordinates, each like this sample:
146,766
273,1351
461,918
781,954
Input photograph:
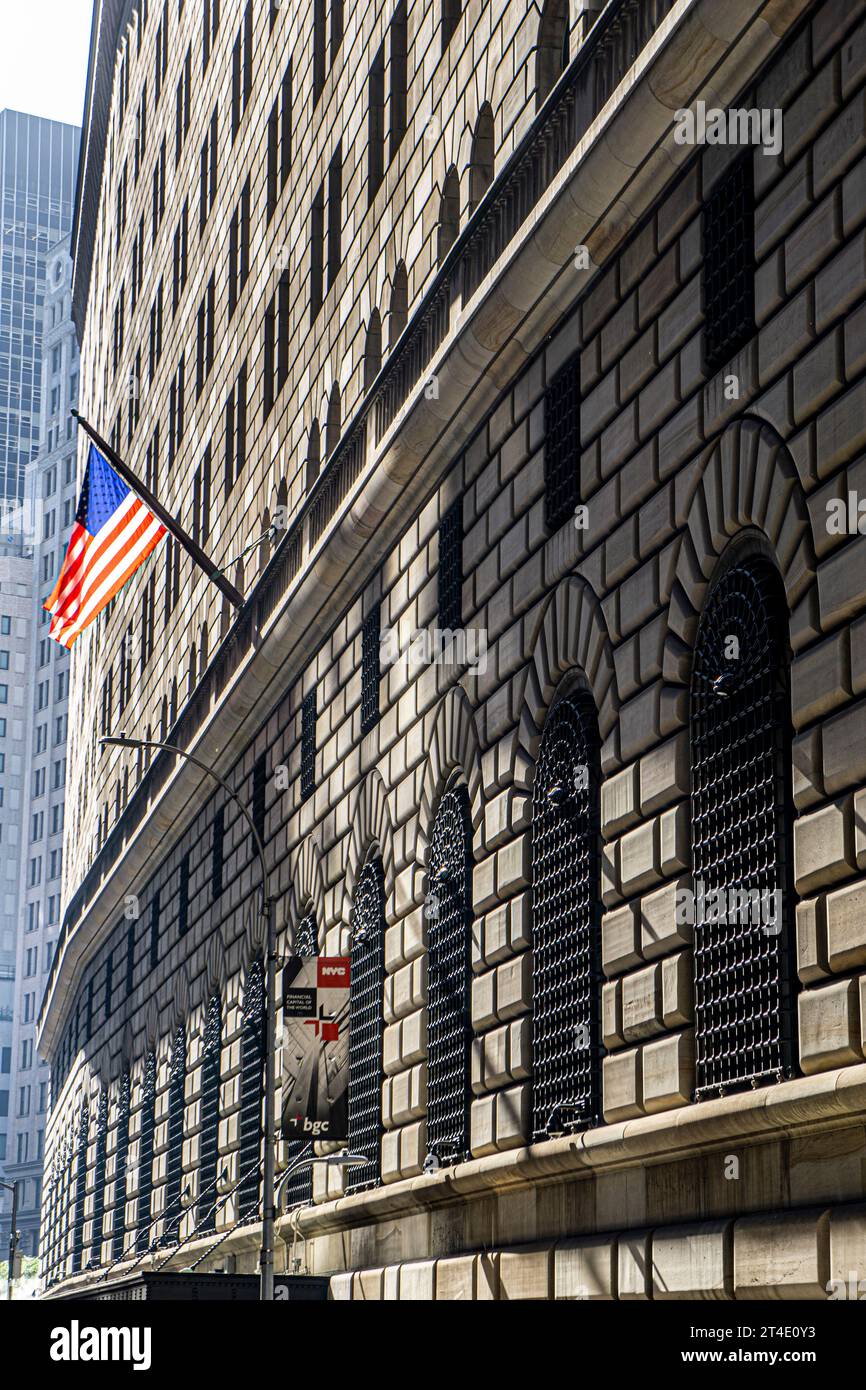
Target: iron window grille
566,921
217,862
449,929
451,568
370,668
154,930
118,1218
729,264
80,1189
211,1077
99,1181
299,1188
259,788
145,1153
366,987
562,446
174,1157
308,745
183,897
252,1092
740,729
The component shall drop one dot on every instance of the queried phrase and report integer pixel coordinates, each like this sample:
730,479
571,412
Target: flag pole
203,561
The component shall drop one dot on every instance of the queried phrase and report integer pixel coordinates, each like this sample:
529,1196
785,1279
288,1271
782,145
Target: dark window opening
370,668
308,745
449,914
450,579
366,984
728,280
562,446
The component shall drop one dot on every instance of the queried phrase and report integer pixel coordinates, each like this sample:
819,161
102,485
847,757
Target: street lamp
13,1234
341,1159
266,1257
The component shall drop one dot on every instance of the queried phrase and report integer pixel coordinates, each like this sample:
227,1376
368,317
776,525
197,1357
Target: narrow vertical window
729,264
121,1156
318,49
211,1077
566,921
80,1188
398,77
183,898
260,779
174,1158
449,973
561,446
99,1182
376,125
317,238
218,853
451,11
335,214
145,1152
252,1092
366,985
370,669
154,930
450,577
740,723
308,745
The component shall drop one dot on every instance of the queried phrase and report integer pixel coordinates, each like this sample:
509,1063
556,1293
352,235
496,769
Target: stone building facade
609,431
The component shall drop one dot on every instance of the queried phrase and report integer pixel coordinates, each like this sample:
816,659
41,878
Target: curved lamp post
266,1257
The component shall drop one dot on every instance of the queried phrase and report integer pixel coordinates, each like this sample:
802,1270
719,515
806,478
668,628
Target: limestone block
413,1038
512,1116
694,1261
848,1251
846,927
495,1060
514,986
782,1255
340,1288
619,801
482,1126
812,961
455,1279
620,939
611,1014
860,829
641,1003
823,846
844,749
585,1269
829,1027
526,1273
484,1001
639,857
664,773
413,1148
668,1072
391,1051
520,1048
621,1085
661,933
633,1265
675,839
513,866
677,990
390,1161
368,1285
820,679
417,1281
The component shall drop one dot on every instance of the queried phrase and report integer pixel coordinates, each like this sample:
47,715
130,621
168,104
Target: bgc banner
316,1048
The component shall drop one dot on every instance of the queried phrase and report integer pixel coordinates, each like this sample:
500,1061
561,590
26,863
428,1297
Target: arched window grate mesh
99,1180
118,1222
449,931
741,834
211,1065
298,1190
174,1158
145,1152
252,1092
566,921
80,1189
366,986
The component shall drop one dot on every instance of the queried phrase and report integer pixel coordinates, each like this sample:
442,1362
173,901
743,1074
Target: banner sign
316,1048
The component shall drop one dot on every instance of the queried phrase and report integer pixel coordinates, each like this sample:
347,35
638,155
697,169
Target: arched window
373,350
121,1156
332,427
313,460
366,986
449,1031
566,920
211,1077
99,1181
449,215
174,1158
252,1092
481,166
80,1188
740,725
299,1189
145,1153
553,48
398,312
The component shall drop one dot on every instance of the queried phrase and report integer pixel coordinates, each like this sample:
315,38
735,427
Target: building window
335,214
451,12
553,48
211,1078
208,172
183,897
318,48
242,69
376,125
729,264
179,257
561,446
157,206
566,920
80,1189
298,1191
236,430
450,577
210,26
481,165
205,337
239,248
145,1153
217,859
308,745
370,668
260,780
366,984
252,1092
740,726
181,114
174,1159
397,32
317,237
449,913
121,1155
154,930
99,1182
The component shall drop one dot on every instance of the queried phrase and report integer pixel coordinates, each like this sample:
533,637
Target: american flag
112,535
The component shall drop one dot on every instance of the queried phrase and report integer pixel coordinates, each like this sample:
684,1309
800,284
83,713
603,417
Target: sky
43,57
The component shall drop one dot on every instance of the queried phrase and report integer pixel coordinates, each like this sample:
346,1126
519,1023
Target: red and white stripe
97,566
